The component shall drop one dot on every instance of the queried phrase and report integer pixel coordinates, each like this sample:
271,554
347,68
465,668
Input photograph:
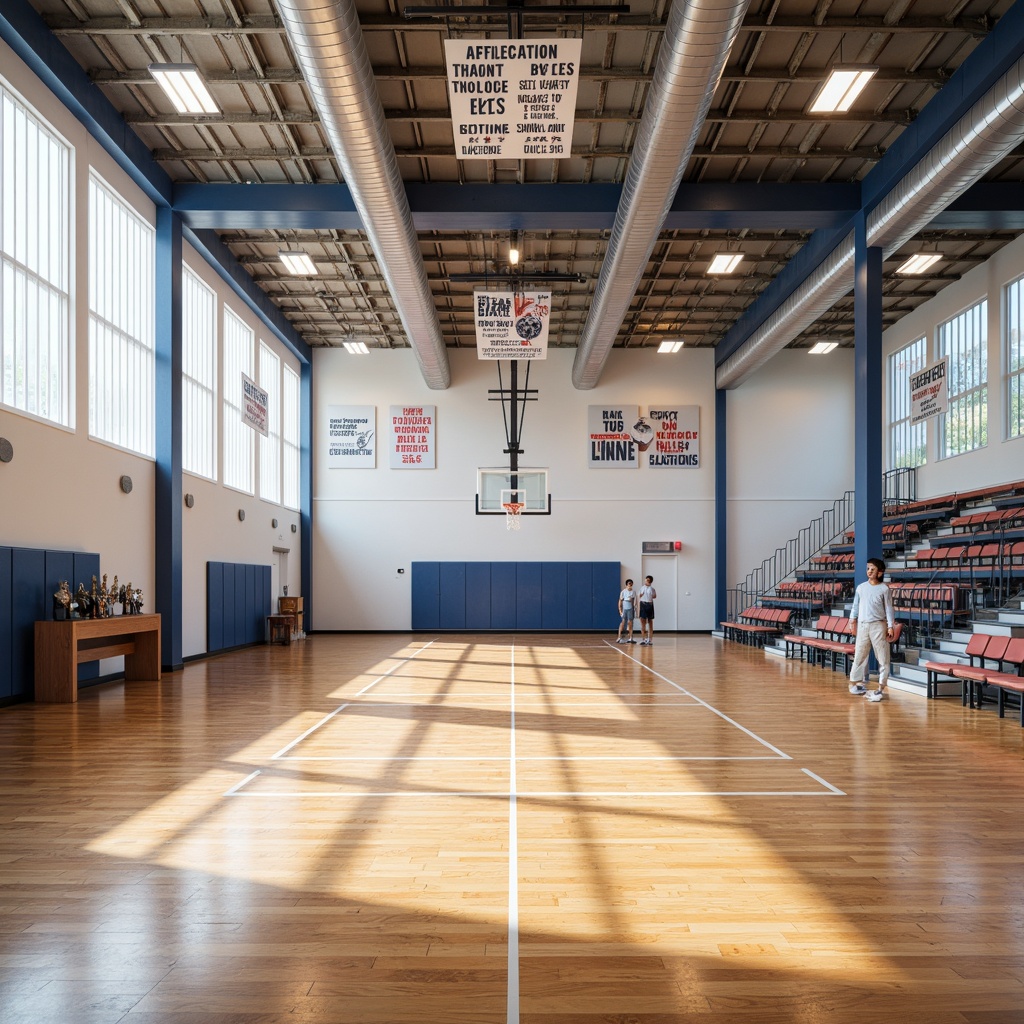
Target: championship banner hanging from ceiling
929,394
511,325
513,99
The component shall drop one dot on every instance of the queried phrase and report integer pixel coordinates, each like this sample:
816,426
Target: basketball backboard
496,487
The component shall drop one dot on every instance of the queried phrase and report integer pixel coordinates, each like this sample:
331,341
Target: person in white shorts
627,602
873,613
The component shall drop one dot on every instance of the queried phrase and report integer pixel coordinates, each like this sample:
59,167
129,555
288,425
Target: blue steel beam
453,207
868,405
169,591
27,34
993,56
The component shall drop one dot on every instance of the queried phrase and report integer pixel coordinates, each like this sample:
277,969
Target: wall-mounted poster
350,437
611,444
928,392
513,99
511,325
412,436
254,405
674,436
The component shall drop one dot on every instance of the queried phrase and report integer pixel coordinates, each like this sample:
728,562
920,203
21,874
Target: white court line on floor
512,1001
527,794
538,757
713,710
323,721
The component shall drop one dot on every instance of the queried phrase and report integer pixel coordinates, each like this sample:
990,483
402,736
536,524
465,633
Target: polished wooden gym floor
485,829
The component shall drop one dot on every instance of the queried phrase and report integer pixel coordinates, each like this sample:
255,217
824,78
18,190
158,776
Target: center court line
512,1000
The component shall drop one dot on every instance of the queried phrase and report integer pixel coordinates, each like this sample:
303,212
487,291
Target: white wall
62,488
790,451
368,523
211,530
1002,460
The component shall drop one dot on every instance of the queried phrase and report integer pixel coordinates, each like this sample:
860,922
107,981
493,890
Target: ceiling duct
328,45
698,38
980,139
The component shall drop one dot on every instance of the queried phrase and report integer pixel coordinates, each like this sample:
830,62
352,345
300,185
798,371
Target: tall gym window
270,446
964,339
35,259
908,443
198,376
1014,321
121,322
238,436
291,438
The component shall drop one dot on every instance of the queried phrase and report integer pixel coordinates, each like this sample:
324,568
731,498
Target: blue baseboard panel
534,596
28,579
238,602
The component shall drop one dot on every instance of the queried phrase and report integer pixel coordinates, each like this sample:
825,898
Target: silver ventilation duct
698,38
329,48
979,140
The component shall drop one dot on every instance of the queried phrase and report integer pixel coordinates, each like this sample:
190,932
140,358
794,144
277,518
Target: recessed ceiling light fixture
670,346
356,348
841,88
725,262
298,263
822,348
184,87
919,263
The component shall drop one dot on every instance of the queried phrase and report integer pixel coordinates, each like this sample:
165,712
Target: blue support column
721,510
867,306
168,436
306,487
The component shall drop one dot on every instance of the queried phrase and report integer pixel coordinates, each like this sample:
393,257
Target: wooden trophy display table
62,646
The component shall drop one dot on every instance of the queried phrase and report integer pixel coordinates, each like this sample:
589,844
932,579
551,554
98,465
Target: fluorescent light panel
919,263
184,87
823,348
298,263
841,88
513,256
356,348
670,346
725,262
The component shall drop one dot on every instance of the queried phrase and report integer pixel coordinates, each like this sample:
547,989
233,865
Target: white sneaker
858,689
876,695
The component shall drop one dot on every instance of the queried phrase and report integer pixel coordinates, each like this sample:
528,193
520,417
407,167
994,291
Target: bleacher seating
808,596
834,642
1003,651
756,624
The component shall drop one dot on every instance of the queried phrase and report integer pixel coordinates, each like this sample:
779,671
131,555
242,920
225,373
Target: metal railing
899,487
793,555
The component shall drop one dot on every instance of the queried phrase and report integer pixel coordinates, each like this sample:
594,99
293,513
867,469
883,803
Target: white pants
871,636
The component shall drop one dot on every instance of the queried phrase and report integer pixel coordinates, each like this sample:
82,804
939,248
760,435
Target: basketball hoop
513,513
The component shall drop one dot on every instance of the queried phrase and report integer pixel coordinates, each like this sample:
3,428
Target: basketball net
513,513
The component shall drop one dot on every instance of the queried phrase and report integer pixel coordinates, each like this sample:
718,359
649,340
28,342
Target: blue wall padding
238,601
533,596
28,581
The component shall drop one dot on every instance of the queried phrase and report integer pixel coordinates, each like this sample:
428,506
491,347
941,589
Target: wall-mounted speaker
6,450
126,484
190,500
241,515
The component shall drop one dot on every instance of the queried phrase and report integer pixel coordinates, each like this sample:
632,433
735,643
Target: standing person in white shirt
647,594
627,602
873,613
